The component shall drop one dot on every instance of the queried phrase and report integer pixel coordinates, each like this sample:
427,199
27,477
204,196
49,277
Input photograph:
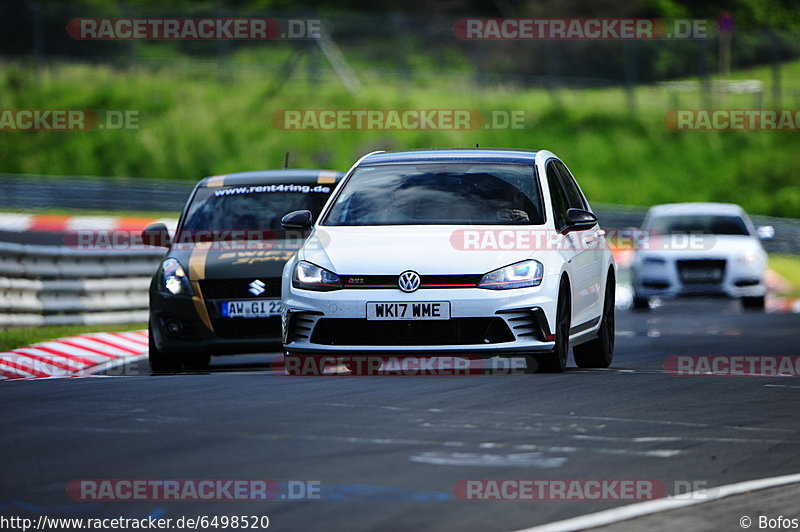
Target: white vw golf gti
469,252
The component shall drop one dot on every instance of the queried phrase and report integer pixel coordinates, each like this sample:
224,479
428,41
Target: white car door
587,263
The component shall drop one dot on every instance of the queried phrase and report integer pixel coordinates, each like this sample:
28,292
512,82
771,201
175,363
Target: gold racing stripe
197,271
326,177
216,181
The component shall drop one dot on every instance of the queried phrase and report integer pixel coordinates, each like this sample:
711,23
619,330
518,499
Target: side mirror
157,235
765,232
297,220
579,220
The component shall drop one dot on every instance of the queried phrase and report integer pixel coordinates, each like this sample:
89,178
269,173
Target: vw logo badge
257,287
408,281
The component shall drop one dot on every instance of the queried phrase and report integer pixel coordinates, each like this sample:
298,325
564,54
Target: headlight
174,279
749,257
520,275
311,277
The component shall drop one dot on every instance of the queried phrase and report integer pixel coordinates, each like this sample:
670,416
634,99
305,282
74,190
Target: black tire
196,362
753,303
161,362
640,302
556,361
599,352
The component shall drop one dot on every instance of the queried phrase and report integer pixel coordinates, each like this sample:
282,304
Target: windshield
707,224
251,208
439,194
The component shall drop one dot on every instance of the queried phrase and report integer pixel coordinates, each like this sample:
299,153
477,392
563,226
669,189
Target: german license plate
262,308
412,310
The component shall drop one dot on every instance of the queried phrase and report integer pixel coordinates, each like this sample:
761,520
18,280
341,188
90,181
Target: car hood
390,250
234,259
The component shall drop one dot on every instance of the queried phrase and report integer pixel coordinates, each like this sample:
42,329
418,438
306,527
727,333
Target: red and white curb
73,355
20,223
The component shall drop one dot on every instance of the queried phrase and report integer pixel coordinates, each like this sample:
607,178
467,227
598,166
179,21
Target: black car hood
233,260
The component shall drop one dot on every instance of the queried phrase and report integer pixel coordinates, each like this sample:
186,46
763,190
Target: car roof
268,177
485,155
668,209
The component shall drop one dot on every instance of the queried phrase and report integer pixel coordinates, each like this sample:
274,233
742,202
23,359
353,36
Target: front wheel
160,361
753,303
599,352
556,361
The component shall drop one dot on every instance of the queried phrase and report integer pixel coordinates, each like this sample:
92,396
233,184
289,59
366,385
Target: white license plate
262,308
701,275
413,310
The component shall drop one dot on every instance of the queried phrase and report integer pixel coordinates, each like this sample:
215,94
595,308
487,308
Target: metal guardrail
93,193
57,285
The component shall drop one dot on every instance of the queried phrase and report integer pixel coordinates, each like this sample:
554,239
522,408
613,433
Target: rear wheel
160,361
599,352
753,303
556,361
641,302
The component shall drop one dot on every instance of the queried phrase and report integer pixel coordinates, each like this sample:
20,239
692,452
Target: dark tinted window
574,196
699,224
439,194
257,207
558,199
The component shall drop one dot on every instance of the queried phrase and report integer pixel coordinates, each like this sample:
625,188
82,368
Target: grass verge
788,267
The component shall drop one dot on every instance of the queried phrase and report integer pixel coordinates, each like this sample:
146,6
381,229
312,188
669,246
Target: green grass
19,337
59,211
193,125
788,267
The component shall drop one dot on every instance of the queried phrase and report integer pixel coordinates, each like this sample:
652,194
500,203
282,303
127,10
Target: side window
558,199
574,196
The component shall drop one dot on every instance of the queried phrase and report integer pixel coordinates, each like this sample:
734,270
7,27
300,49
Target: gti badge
257,288
408,281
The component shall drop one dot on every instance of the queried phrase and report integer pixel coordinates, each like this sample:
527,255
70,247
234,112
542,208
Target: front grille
426,281
248,327
455,331
701,271
239,288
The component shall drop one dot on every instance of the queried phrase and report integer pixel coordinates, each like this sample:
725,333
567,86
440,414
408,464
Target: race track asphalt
387,451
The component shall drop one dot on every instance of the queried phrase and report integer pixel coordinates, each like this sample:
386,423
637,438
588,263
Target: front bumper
482,322
664,280
193,336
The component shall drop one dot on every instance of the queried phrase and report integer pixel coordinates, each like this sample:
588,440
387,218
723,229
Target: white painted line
86,341
15,222
91,223
67,350
109,365
120,341
624,513
135,336
74,364
33,365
